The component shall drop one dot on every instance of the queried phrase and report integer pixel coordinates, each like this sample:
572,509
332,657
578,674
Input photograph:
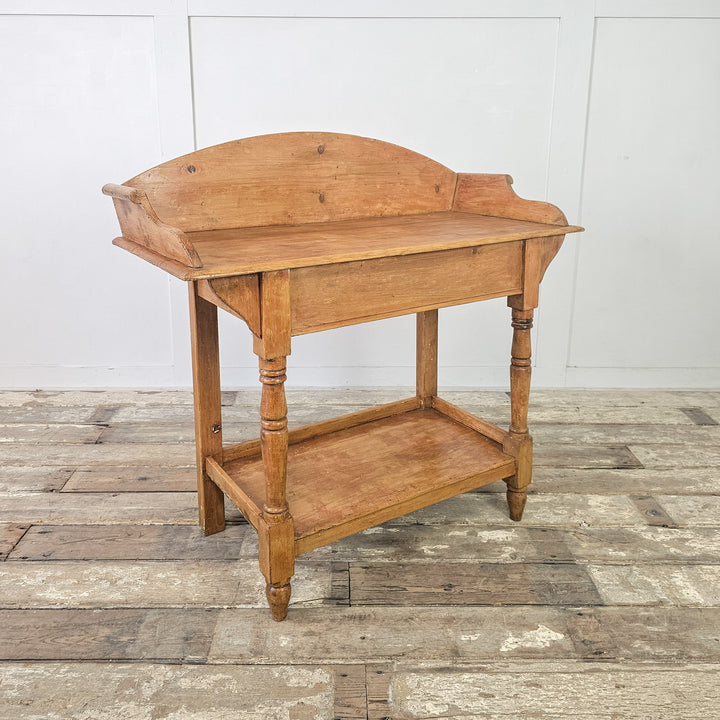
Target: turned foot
516,503
278,597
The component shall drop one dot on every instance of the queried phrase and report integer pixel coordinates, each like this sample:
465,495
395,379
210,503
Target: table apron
326,296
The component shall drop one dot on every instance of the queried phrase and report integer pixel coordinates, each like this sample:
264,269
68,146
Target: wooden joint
276,515
124,192
238,295
493,195
140,224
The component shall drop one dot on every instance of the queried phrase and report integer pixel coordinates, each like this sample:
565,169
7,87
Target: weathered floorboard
692,511
151,584
458,584
680,456
71,455
518,543
10,534
489,508
649,584
584,456
100,508
691,481
470,634
557,690
143,478
34,478
137,634
68,691
133,542
37,433
108,580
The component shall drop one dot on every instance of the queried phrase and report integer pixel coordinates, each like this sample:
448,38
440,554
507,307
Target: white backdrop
609,109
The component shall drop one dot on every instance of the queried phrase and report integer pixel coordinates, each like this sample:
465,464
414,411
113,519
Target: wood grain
67,691
132,542
470,584
240,296
141,478
10,534
33,478
426,356
351,479
251,448
135,507
47,433
350,693
292,178
619,691
473,634
151,584
488,194
452,541
208,411
249,250
334,295
137,634
140,225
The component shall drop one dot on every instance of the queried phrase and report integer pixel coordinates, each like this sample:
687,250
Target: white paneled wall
609,109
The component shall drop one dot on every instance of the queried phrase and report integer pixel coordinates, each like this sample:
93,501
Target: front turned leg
276,533
520,444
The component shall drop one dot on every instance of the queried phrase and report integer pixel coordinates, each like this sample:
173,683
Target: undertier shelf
351,479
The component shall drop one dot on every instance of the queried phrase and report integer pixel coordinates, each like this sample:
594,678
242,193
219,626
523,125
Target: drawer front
325,296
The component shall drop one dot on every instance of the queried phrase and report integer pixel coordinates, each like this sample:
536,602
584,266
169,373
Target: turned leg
520,444
426,356
276,535
277,540
206,394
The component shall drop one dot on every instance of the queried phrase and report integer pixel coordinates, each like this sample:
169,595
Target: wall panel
648,266
608,108
79,109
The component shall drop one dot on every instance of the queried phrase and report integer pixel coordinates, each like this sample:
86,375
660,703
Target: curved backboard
293,178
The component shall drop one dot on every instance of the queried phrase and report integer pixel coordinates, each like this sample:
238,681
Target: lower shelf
351,479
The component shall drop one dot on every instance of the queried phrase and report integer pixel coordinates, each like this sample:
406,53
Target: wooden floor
603,603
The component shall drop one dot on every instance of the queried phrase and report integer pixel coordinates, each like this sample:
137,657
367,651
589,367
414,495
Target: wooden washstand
300,232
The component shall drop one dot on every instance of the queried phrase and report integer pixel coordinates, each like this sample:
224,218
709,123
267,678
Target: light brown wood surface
208,417
292,178
329,296
300,232
519,442
426,357
241,250
345,481
493,195
140,225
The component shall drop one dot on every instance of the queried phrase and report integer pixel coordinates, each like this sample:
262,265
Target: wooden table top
242,251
